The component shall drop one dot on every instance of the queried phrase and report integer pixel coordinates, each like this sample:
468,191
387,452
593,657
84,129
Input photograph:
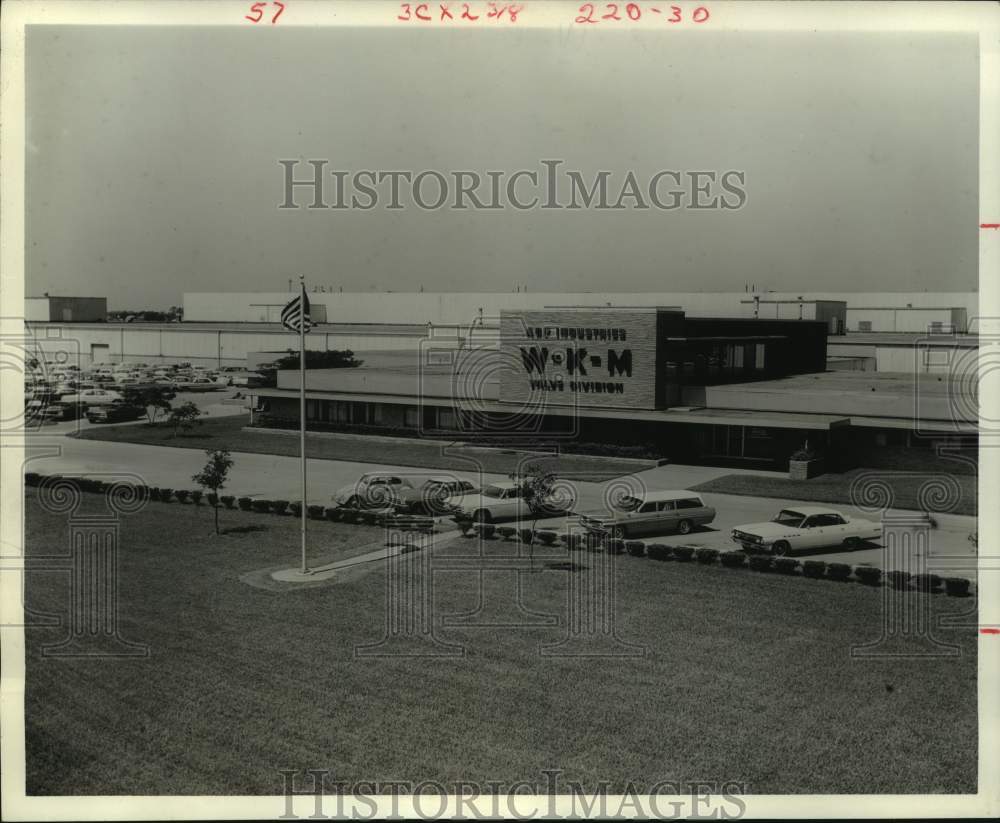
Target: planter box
805,469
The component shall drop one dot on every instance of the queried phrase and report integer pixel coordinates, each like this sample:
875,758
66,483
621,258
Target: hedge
927,582
838,571
733,559
315,511
228,500
785,565
575,542
212,499
706,555
636,548
487,531
761,562
295,508
868,575
165,495
279,506
683,552
196,495
815,568
507,532
261,506
526,535
182,495
956,586
333,514
547,537
245,504
615,546
898,579
658,551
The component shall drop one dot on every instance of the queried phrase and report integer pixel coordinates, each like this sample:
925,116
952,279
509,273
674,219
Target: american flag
297,312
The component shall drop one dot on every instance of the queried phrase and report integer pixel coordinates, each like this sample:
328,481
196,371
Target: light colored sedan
806,527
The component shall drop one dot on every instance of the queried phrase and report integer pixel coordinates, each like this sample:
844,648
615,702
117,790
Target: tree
184,416
155,399
315,359
535,487
214,475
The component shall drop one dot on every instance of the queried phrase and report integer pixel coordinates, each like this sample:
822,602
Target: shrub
196,496
333,514
636,548
898,579
927,582
706,555
575,542
154,493
733,559
295,508
658,551
227,500
212,499
245,504
868,575
279,506
814,568
761,562
182,495
595,542
350,515
32,478
526,535
838,571
487,531
785,565
683,552
615,546
367,516
315,511
548,538
507,532
956,586
261,506
165,495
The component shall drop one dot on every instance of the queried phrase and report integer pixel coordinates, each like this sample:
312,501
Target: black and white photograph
489,410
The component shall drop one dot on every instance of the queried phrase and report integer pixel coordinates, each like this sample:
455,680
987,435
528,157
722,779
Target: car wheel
852,542
353,502
684,527
483,516
781,548
618,533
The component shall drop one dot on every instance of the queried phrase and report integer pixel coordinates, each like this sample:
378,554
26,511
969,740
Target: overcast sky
152,158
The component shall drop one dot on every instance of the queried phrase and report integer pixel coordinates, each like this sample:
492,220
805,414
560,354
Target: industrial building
723,390
47,309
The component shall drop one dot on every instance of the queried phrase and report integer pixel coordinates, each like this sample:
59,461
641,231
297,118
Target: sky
152,158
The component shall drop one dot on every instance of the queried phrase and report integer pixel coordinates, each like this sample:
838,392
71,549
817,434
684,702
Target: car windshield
498,491
786,517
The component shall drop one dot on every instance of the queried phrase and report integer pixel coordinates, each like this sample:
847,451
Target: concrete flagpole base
298,576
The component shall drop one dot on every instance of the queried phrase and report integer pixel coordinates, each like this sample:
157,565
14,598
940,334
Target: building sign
580,357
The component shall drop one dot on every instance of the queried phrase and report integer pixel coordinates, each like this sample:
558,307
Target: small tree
155,399
214,475
184,416
535,487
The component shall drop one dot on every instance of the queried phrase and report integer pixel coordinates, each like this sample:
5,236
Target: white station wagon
806,527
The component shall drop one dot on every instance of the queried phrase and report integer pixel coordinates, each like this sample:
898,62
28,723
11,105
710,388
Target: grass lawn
835,488
747,677
228,432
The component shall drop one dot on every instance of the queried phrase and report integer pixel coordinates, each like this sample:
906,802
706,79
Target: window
759,356
446,418
411,418
818,520
666,506
787,517
645,508
689,503
864,325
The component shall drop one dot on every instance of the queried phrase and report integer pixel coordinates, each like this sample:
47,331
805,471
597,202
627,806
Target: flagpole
302,408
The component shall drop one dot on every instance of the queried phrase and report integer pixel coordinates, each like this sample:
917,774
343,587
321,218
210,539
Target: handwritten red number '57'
258,10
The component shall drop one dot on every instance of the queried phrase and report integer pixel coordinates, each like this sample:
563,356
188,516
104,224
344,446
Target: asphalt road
50,451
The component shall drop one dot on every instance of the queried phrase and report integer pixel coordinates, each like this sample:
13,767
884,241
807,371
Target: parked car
92,397
653,512
119,412
51,410
195,384
437,496
374,490
806,527
501,501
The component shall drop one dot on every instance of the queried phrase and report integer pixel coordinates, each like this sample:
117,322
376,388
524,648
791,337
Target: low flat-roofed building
66,309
